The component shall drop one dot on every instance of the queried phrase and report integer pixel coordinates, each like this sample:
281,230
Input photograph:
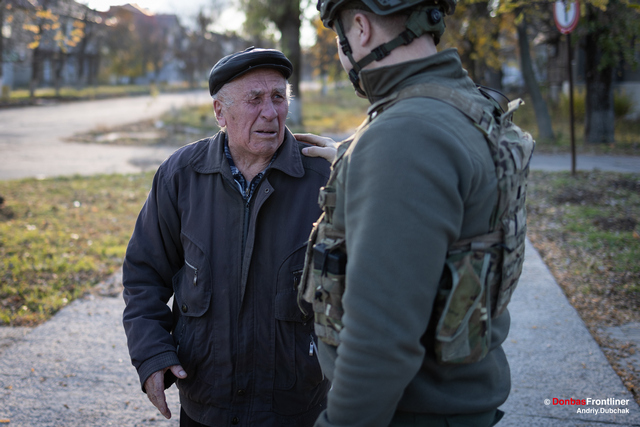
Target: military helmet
424,17
329,8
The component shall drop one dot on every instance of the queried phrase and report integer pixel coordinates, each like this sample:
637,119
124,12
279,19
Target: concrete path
32,138
74,371
554,358
560,162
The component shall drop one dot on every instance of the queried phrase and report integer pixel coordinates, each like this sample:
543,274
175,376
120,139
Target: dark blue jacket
234,324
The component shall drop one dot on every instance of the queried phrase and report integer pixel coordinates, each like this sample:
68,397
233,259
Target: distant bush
579,105
622,104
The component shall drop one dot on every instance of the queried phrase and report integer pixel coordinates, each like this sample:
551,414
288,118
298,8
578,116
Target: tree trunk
59,64
35,72
599,120
545,130
291,48
1,44
82,54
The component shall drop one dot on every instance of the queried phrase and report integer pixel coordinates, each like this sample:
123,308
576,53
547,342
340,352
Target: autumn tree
123,46
608,32
92,34
193,52
7,14
530,17
153,43
53,36
201,48
324,54
476,32
285,15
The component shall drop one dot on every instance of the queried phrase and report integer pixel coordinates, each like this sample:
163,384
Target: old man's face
254,108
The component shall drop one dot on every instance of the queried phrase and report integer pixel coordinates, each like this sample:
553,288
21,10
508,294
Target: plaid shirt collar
246,189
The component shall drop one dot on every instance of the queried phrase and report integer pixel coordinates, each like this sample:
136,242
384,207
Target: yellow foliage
34,44
46,14
32,28
600,4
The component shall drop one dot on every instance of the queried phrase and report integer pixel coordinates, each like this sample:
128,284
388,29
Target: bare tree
545,129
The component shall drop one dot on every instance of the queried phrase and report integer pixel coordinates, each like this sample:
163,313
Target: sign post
566,14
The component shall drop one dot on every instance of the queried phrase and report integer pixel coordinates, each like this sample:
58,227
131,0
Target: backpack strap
481,117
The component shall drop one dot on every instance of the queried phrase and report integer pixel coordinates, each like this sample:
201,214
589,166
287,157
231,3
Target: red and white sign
566,14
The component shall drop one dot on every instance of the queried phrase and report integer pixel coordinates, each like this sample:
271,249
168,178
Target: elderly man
224,231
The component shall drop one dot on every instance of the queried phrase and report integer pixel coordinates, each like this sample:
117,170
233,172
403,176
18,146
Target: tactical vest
323,277
480,274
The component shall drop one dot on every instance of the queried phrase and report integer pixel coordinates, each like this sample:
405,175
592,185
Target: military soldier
408,331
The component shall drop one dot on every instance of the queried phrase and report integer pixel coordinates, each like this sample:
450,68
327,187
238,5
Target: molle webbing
483,271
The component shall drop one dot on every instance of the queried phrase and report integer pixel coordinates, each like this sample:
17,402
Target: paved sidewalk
74,371
560,162
553,356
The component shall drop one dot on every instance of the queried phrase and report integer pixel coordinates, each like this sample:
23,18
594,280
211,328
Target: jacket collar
211,158
443,68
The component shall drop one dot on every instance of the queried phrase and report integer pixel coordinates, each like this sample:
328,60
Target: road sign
566,14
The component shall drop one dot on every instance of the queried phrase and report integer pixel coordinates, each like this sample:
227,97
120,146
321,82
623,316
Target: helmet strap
346,49
423,20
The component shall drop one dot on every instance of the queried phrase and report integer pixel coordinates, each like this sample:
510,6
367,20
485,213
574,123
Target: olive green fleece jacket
414,180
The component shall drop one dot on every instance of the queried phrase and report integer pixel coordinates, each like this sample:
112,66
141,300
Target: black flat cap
234,65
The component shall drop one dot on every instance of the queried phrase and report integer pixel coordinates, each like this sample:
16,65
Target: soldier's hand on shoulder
323,146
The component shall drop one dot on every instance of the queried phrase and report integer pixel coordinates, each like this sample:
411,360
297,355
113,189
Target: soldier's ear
363,28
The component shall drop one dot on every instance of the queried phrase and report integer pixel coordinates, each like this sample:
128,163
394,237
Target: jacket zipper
195,273
245,230
312,346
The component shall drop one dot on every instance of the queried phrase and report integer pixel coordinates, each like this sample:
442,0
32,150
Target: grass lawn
587,230
627,132
59,237
21,96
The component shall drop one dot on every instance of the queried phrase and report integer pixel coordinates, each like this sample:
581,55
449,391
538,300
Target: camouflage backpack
482,272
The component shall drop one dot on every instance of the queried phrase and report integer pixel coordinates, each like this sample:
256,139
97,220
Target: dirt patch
6,213
578,196
144,133
627,184
615,224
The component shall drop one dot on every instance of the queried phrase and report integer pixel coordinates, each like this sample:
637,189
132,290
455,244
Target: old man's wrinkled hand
154,386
